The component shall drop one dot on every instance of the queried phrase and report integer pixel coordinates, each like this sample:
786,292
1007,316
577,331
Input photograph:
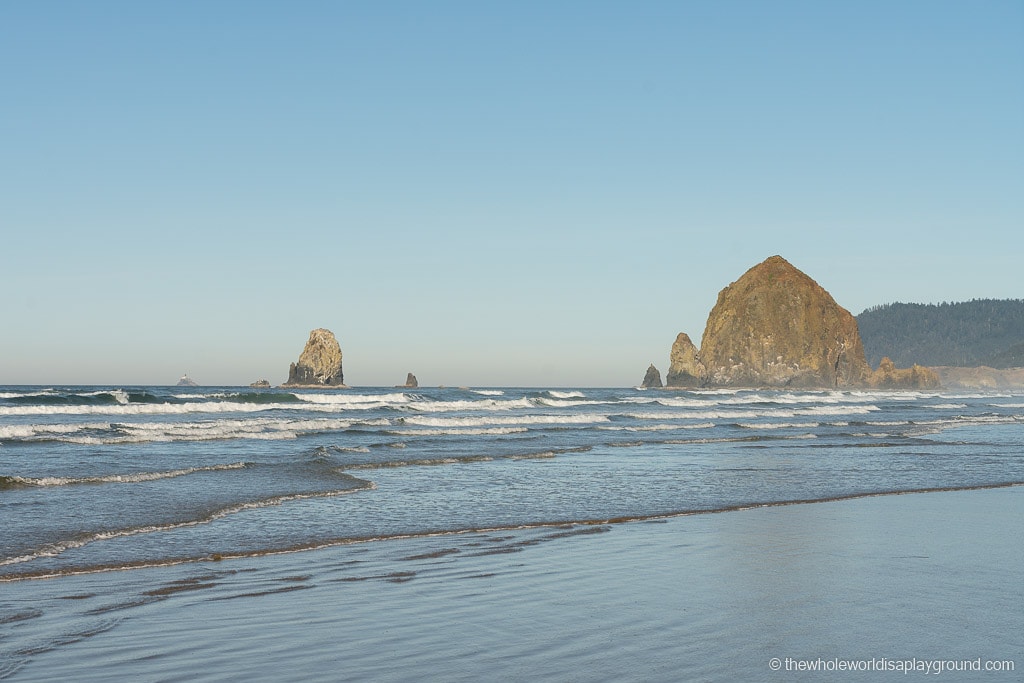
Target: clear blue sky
484,193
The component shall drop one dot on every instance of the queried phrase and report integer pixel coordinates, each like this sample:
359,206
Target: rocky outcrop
776,327
260,384
983,378
652,380
888,376
685,368
320,363
410,382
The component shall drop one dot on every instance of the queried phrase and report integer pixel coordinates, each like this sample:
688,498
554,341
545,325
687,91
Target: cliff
777,327
319,365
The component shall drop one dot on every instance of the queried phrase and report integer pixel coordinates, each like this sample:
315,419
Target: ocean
184,533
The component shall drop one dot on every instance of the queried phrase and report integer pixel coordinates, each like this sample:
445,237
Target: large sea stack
320,363
774,327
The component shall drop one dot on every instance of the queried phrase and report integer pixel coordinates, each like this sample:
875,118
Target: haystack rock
410,382
652,380
320,362
684,369
775,327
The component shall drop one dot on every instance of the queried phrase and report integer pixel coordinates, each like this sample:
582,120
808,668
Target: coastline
698,596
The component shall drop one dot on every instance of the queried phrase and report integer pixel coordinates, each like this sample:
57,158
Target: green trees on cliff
977,332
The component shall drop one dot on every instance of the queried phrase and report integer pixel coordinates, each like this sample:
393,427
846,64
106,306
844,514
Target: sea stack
684,369
652,380
777,327
410,382
320,363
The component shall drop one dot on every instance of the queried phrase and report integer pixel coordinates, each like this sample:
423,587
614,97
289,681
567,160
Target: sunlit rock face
320,362
774,327
685,369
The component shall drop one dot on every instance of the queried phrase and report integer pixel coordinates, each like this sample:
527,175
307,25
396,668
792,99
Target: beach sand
925,577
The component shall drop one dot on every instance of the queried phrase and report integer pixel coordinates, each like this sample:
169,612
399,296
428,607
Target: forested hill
979,332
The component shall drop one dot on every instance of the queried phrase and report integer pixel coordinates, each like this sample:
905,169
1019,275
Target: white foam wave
489,392
454,406
754,413
657,427
564,394
130,478
141,432
777,425
484,431
354,400
503,420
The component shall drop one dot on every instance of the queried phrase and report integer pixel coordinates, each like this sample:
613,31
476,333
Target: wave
564,394
129,478
488,392
502,420
458,431
142,432
55,549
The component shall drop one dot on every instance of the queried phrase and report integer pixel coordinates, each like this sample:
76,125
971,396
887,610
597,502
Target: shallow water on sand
935,576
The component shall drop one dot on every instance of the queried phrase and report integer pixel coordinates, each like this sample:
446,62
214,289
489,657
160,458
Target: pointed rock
775,326
320,362
652,379
685,368
410,381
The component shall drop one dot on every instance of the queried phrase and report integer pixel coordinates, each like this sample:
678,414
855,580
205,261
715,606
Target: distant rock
984,378
410,382
320,363
186,381
685,369
652,380
888,376
260,384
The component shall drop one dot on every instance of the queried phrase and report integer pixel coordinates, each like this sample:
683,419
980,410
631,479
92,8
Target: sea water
202,480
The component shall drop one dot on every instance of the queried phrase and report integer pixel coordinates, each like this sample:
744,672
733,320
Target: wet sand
925,576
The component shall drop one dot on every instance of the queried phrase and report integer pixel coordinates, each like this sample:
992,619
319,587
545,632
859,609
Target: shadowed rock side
320,362
775,326
652,379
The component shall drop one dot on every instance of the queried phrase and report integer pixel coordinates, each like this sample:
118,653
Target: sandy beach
925,577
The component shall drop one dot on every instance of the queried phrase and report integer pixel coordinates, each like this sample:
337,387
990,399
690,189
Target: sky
484,193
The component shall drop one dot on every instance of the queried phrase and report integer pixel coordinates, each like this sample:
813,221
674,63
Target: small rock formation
320,363
652,379
186,381
776,327
685,369
410,381
980,378
888,376
260,384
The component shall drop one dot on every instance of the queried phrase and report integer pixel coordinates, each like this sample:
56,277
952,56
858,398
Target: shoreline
552,524
696,597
